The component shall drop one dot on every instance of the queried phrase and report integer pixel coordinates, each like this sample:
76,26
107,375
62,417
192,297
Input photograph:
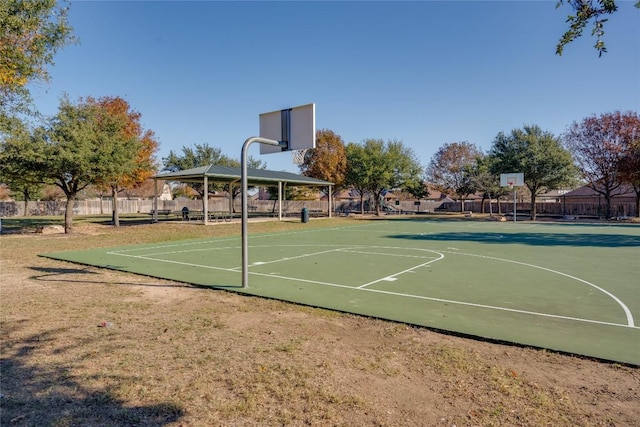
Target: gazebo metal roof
227,174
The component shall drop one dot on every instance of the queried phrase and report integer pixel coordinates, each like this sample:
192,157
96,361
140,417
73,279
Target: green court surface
572,288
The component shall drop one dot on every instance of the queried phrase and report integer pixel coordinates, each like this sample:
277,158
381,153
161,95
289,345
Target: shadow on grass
37,391
533,239
50,273
29,224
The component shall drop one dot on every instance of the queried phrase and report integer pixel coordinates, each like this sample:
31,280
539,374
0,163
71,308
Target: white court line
188,264
176,245
513,310
315,282
294,257
384,254
447,301
629,316
393,276
178,252
225,248
630,321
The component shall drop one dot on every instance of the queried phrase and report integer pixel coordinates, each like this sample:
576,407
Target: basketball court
567,287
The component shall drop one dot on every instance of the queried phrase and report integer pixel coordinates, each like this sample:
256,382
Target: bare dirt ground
83,346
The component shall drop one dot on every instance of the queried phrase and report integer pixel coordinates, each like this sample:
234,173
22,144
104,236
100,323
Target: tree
328,161
357,174
83,145
199,155
600,146
537,154
629,167
376,166
585,12
448,168
132,149
480,178
15,173
205,155
31,32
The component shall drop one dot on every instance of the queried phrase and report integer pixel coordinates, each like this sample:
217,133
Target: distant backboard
511,179
296,126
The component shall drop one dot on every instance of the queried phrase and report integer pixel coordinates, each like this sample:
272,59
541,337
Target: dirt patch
177,355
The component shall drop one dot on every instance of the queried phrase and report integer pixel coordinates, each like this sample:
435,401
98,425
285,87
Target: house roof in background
587,191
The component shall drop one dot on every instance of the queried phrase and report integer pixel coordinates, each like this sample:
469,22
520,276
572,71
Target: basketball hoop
512,180
298,156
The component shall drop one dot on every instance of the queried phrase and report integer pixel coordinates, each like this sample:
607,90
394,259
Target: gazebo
232,175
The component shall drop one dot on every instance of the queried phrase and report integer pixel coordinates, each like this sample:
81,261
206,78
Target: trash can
304,215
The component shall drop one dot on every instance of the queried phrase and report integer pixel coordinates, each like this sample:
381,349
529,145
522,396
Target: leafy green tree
585,12
376,166
536,153
204,155
193,157
14,172
84,145
199,155
31,32
448,169
601,146
357,174
480,178
328,161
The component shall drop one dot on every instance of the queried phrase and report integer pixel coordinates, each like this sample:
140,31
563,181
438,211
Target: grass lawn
88,346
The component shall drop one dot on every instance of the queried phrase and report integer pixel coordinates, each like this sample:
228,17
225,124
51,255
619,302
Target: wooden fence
105,207
125,206
558,209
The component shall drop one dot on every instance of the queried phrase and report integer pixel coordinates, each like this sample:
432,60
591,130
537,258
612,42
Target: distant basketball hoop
512,180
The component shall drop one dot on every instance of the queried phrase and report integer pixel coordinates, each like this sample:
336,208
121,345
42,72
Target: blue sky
423,72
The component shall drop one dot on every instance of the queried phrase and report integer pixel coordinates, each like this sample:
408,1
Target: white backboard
298,124
511,179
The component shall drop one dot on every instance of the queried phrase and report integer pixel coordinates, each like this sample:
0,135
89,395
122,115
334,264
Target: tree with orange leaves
328,160
133,149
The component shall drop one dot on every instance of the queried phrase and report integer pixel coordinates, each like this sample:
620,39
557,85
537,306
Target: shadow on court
533,239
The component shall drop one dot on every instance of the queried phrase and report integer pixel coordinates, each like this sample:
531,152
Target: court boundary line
471,304
402,272
629,315
630,321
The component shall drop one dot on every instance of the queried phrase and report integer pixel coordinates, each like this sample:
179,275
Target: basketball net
298,156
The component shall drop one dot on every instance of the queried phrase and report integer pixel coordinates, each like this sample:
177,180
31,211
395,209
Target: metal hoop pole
515,206
245,215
